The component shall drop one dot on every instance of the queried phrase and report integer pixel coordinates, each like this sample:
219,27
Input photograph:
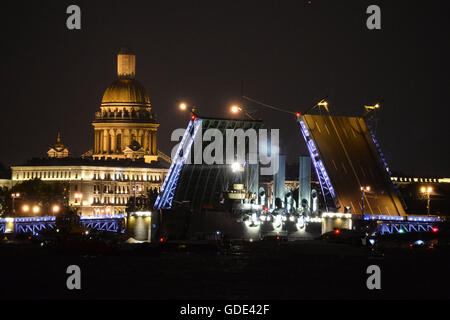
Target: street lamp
427,192
55,208
25,208
13,197
235,109
78,196
363,194
36,209
184,106
374,107
323,103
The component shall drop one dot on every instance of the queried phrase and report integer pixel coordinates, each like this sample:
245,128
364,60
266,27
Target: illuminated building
58,150
95,186
124,159
125,126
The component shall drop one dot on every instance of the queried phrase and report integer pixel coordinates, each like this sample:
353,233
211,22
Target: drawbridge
345,154
202,185
347,157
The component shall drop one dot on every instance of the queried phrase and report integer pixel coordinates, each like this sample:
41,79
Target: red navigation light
298,114
161,240
278,237
337,231
193,117
435,229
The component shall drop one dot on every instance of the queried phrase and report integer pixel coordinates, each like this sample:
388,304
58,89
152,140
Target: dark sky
289,54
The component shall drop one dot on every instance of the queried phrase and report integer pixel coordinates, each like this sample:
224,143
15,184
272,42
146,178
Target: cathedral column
95,141
126,138
113,141
139,138
99,141
146,141
119,142
133,135
154,143
105,141
150,141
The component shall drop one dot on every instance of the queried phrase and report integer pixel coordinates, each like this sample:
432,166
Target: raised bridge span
346,157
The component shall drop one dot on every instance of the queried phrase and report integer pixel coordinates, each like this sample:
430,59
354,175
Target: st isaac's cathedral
124,159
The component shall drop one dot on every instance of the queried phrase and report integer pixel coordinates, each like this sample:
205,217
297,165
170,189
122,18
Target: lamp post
55,209
363,195
13,197
427,192
183,107
236,109
79,196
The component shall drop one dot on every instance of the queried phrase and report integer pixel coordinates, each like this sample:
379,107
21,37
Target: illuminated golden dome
125,91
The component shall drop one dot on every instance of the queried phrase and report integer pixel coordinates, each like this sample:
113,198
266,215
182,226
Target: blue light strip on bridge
107,216
324,180
402,218
35,219
165,197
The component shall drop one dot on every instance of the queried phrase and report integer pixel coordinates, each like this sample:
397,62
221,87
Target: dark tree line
34,192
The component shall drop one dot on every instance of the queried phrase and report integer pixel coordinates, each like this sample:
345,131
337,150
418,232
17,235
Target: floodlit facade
124,161
94,186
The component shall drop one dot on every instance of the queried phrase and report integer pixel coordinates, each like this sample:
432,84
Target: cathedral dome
125,91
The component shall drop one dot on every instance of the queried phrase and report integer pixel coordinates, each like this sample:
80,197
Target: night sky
288,53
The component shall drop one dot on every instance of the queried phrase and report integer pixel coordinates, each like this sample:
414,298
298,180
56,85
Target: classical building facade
95,186
125,126
125,160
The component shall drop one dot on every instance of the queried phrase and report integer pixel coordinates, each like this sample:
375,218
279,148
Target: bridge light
235,167
235,109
